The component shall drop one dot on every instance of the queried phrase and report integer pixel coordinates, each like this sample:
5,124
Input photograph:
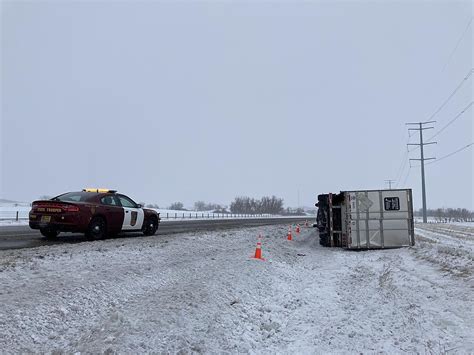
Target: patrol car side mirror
139,206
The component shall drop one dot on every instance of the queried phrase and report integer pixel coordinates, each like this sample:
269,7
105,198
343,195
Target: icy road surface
202,293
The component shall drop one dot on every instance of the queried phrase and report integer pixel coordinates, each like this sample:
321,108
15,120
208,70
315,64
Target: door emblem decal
134,218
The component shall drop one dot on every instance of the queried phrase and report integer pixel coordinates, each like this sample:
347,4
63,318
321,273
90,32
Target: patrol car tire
97,229
150,226
49,233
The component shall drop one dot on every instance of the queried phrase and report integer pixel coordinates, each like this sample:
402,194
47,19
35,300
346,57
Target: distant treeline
247,205
199,206
203,206
240,205
448,214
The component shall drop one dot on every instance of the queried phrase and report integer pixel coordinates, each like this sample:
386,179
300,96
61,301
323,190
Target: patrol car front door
133,216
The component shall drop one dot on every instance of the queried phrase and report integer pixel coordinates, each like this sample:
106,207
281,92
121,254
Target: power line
403,163
468,75
448,155
451,154
448,124
452,121
416,148
457,44
452,94
406,176
400,172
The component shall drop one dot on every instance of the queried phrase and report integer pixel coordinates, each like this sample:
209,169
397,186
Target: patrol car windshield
73,197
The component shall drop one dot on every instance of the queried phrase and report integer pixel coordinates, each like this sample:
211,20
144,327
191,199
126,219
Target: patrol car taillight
55,207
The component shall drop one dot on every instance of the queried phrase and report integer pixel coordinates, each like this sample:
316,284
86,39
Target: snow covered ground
451,246
12,222
201,292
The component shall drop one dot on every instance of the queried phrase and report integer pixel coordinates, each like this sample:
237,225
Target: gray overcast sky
208,100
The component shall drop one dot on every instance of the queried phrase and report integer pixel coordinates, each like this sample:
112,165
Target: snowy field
8,214
202,293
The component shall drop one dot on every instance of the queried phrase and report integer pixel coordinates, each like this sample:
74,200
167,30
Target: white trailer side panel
379,219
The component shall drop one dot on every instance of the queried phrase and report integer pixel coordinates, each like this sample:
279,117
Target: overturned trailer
369,219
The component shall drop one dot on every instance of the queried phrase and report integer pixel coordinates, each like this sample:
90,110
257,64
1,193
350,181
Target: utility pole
389,182
422,159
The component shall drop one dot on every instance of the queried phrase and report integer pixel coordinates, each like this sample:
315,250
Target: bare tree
177,206
244,204
200,206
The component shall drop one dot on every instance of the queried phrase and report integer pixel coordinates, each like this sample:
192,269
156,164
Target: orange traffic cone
258,250
297,229
289,237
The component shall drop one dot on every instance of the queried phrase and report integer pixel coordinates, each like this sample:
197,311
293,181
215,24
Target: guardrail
198,215
13,215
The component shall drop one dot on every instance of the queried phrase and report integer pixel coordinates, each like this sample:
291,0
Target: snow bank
450,246
12,222
201,292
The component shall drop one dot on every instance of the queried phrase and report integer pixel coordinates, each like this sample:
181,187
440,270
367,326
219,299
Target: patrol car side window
109,201
126,202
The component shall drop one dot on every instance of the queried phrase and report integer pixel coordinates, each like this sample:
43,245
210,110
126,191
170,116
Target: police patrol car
95,212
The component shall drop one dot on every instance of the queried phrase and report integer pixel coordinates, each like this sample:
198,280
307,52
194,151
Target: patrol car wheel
150,226
97,228
49,233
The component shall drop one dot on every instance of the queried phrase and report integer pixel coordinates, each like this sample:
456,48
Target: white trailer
366,219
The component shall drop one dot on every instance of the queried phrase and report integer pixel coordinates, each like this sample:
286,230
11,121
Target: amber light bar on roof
99,190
